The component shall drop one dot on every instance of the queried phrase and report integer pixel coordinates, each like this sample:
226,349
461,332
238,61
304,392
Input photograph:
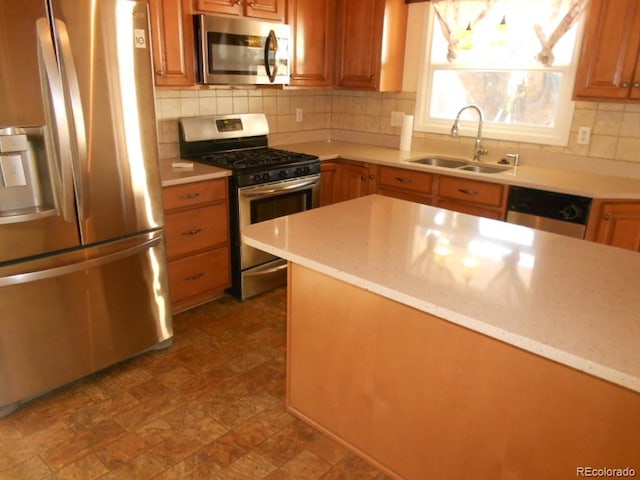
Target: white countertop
571,301
564,181
175,171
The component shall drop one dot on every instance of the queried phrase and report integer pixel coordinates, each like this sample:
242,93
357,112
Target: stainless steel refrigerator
83,281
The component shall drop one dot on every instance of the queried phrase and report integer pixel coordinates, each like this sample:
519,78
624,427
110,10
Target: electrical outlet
396,119
298,114
584,135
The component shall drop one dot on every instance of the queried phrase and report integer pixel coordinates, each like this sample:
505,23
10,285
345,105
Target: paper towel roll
406,132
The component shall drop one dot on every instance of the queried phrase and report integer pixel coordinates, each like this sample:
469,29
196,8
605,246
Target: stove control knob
257,177
282,174
265,176
306,169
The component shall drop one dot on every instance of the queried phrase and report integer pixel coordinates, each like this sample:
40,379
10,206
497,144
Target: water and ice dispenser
25,180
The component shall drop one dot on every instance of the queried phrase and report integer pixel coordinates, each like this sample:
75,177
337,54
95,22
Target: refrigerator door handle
56,115
83,265
70,79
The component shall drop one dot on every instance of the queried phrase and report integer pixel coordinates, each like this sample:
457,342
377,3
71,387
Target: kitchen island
441,345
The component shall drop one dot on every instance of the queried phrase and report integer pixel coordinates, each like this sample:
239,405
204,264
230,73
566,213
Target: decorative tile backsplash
615,127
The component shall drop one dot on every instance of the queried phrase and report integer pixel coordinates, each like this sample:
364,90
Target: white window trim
558,136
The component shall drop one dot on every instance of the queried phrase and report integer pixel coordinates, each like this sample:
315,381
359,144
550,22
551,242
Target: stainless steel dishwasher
549,211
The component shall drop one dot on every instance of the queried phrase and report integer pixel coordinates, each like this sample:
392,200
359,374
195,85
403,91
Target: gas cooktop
239,143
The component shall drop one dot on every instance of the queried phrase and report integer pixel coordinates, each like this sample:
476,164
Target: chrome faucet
479,150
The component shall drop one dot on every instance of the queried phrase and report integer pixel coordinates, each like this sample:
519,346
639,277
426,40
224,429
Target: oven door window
279,205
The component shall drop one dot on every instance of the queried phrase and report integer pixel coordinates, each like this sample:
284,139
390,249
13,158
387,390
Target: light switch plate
584,135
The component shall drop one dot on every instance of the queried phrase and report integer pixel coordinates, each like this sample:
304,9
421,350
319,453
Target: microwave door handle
70,78
56,117
270,43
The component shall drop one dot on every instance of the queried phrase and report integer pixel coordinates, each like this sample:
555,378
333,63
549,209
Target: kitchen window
512,58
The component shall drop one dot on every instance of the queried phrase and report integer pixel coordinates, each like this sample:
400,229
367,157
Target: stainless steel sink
440,162
460,165
484,168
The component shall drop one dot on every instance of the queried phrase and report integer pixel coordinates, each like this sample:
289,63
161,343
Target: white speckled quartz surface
571,301
565,181
198,172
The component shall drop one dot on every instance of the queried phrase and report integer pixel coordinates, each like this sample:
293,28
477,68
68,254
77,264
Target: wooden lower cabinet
353,180
405,184
615,223
344,179
414,394
327,182
197,236
475,197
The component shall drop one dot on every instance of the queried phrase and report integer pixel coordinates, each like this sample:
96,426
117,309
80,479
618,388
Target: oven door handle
259,191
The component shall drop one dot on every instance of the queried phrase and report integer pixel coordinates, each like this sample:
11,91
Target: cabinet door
635,86
618,224
227,7
327,183
360,40
196,230
312,31
263,9
470,209
353,181
610,51
366,28
172,38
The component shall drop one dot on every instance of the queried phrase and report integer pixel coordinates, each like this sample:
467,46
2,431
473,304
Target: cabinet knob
636,84
372,77
251,4
607,217
363,177
372,177
467,191
625,84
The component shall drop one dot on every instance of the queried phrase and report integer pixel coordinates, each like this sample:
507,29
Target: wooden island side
423,388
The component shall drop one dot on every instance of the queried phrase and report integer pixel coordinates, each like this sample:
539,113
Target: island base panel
421,397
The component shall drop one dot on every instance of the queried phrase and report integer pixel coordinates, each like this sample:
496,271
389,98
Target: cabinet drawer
196,229
471,209
484,193
405,179
196,193
199,273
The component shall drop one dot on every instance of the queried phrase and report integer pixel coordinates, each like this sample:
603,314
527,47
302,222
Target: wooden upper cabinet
362,27
312,33
262,9
172,38
609,65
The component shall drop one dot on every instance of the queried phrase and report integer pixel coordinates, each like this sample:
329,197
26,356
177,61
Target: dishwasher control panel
559,206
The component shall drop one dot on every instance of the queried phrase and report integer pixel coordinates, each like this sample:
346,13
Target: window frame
559,135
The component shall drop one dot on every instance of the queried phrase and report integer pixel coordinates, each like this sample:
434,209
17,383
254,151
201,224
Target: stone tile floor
209,407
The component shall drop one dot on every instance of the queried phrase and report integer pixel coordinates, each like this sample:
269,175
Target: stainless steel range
265,183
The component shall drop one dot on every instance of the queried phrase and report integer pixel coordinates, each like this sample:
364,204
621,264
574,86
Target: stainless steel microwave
241,51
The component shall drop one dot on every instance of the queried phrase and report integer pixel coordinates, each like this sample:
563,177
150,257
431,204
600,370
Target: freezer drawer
66,316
